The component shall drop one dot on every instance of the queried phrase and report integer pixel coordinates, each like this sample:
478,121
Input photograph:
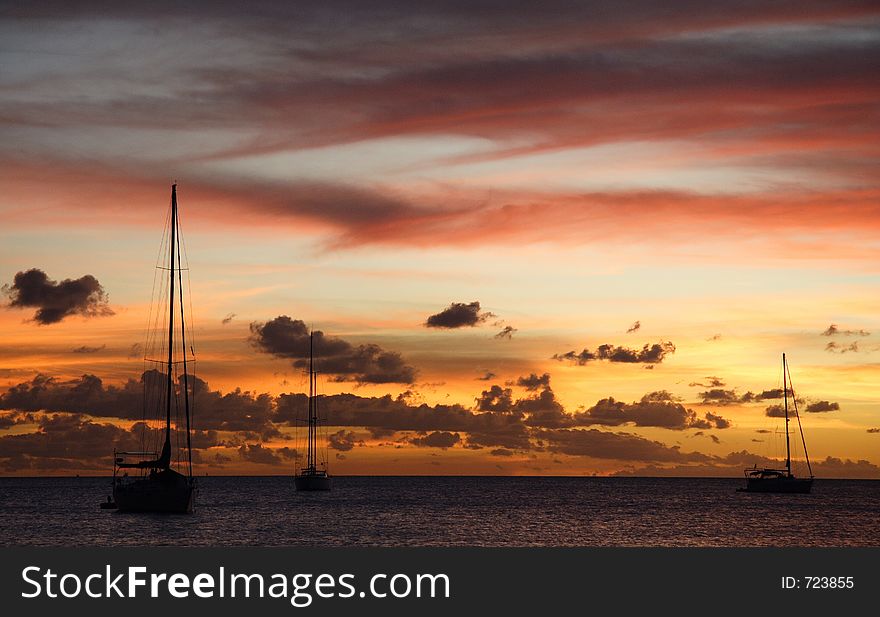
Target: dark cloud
775,411
657,409
874,430
634,327
732,465
770,394
9,419
388,414
720,396
506,332
596,443
822,406
228,319
543,410
717,420
216,459
233,411
87,349
64,441
714,337
495,398
487,376
53,300
650,354
379,432
711,382
833,467
85,395
136,351
342,440
289,338
437,439
533,382
237,410
459,315
258,453
833,330
495,432
537,422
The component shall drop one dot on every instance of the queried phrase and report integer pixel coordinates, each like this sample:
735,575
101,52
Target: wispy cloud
833,330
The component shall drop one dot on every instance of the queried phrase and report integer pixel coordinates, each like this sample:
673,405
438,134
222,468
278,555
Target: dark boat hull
312,483
778,485
166,491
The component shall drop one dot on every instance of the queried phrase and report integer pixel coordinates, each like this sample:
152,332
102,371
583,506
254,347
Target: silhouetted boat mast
311,478
163,489
769,480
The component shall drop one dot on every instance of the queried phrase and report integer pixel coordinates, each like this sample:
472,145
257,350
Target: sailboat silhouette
769,480
312,477
156,486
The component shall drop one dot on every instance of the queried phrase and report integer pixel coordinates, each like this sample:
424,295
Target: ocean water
450,511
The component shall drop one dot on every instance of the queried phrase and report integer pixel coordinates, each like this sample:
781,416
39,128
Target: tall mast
315,418
176,223
310,452
785,399
170,385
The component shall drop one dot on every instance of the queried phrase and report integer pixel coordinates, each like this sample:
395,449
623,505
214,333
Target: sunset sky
538,238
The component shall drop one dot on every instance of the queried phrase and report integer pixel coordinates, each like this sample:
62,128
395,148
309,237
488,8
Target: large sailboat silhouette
312,477
153,484
768,480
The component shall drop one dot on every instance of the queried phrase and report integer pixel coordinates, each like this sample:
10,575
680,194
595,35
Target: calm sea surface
423,511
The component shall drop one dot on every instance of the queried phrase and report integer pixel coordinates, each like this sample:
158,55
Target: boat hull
312,483
778,485
167,492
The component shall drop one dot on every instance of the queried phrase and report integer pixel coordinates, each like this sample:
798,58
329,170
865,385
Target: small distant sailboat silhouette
158,487
781,480
311,477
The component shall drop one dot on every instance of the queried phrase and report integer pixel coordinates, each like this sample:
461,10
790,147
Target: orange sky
706,172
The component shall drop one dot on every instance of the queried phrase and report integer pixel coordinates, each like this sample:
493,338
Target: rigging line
161,280
800,427
177,418
785,402
150,337
189,290
192,335
147,338
322,423
183,345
